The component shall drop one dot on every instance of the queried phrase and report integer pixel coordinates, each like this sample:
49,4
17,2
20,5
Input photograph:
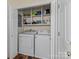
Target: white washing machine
26,43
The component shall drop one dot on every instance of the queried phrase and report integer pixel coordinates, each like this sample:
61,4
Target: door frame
12,36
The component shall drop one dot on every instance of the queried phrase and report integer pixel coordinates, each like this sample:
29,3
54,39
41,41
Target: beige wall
38,27
25,3
34,28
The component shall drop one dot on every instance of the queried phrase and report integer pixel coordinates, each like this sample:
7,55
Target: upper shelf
37,24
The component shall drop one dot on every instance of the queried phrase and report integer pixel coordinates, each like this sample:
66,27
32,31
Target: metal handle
68,53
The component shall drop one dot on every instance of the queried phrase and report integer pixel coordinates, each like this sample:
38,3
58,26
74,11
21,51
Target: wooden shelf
46,15
37,24
37,16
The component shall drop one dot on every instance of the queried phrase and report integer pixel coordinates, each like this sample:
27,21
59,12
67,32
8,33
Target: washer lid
44,32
